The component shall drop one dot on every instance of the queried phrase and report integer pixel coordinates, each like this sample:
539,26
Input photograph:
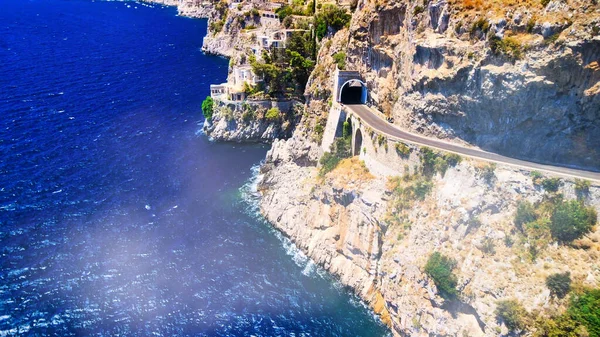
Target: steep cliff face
518,79
251,122
437,78
342,222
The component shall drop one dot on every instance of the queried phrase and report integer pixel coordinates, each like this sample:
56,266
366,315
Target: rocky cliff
517,78
520,79
342,221
250,121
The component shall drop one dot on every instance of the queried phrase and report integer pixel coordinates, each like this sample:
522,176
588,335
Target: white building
233,90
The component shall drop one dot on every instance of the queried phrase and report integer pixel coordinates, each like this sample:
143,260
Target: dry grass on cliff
350,171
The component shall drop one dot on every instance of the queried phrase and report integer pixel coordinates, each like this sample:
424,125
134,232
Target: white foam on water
251,197
10,332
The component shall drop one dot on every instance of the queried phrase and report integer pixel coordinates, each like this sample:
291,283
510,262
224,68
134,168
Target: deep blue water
116,216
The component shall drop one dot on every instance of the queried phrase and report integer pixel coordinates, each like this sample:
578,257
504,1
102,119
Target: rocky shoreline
339,221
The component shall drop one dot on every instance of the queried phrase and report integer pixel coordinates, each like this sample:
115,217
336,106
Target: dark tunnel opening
352,93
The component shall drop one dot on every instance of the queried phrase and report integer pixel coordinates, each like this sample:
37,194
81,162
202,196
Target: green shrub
530,25
536,177
284,11
545,2
402,149
525,213
582,188
250,89
339,150
440,165
340,59
207,108
432,162
453,159
227,113
419,9
318,132
404,192
347,130
473,223
488,246
273,114
551,184
508,47
571,220
551,39
487,172
585,309
440,269
538,236
422,188
559,284
427,161
481,24
217,26
508,241
561,326
582,318
512,314
247,116
328,161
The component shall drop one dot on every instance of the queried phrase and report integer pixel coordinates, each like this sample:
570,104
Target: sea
118,217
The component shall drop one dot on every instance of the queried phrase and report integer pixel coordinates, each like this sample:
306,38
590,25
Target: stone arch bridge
349,88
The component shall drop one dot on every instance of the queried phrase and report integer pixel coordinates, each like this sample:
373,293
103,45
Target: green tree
331,17
207,108
440,269
571,220
284,11
559,284
300,67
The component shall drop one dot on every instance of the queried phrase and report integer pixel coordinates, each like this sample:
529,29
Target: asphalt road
372,119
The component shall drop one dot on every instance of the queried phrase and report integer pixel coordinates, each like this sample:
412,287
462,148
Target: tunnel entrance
353,92
357,143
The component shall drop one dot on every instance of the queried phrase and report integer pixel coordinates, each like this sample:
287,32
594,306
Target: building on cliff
233,89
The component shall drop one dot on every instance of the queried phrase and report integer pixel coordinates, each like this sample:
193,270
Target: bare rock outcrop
248,121
519,81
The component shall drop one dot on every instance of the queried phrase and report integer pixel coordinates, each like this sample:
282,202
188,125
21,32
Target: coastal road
373,119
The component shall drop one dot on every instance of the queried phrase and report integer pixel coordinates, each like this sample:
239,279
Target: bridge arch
353,91
357,142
